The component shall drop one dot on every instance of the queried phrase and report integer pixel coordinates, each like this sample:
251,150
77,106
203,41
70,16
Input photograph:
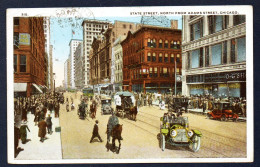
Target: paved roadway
220,139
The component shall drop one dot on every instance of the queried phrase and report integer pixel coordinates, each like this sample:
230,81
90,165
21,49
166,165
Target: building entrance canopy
20,87
37,87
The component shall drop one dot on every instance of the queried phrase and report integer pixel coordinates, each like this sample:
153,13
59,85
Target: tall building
150,56
29,56
69,73
78,67
91,29
46,27
51,68
66,74
214,55
73,45
117,64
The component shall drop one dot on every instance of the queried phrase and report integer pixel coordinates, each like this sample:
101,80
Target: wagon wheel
195,145
162,137
223,118
235,119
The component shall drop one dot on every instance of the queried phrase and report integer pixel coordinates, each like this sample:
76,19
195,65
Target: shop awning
20,87
37,87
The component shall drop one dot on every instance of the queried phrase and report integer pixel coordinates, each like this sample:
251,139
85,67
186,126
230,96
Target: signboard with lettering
217,77
24,39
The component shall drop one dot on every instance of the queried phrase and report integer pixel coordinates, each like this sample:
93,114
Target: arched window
160,57
166,44
160,43
154,57
149,42
155,74
149,56
153,43
151,72
172,46
178,59
166,57
178,44
172,58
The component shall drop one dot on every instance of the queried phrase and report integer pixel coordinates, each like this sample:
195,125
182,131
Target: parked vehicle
223,112
175,131
106,106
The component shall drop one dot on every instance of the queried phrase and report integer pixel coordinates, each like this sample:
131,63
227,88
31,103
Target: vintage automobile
175,131
222,111
106,106
178,104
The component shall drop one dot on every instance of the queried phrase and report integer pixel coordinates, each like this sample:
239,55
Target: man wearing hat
95,133
49,123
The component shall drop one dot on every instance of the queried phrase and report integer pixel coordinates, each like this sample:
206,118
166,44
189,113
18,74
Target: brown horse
116,134
133,113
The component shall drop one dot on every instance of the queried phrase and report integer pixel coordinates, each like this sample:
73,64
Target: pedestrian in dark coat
16,139
24,113
49,124
57,109
95,133
23,133
42,130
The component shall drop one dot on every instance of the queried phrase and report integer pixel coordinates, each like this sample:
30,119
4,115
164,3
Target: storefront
226,84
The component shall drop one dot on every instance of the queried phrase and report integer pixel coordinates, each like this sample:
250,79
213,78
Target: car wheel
235,119
195,143
162,142
223,118
208,116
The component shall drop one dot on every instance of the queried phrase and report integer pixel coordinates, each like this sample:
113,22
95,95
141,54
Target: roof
124,94
150,27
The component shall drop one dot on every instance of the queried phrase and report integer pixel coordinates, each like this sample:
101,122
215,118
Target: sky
61,33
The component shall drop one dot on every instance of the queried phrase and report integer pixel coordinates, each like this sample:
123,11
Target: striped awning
37,87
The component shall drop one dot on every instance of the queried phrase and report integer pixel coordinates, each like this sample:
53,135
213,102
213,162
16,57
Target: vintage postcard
130,84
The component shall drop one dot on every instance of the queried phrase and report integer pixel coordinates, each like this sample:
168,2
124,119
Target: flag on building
73,32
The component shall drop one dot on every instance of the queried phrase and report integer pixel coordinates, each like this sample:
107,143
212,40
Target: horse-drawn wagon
125,105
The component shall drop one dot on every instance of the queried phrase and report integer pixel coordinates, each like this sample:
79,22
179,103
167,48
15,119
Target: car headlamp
190,133
174,133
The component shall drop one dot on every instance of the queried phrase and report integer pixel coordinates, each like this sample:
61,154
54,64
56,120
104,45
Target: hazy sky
61,34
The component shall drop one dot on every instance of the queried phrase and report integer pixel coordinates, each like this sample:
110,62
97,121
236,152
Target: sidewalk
50,149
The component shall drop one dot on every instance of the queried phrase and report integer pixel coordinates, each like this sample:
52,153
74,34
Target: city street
141,138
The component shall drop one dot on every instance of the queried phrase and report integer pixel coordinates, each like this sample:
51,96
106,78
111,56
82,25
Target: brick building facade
30,62
149,57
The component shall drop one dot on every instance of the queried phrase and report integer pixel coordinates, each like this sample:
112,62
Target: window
241,49
238,19
172,58
196,30
160,43
22,63
153,44
178,59
166,57
206,56
225,52
195,58
154,57
149,57
166,44
216,52
155,74
149,42
172,45
151,72
160,57
16,40
188,60
178,44
217,23
15,63
16,21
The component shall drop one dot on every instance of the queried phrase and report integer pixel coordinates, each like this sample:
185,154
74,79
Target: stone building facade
149,58
214,55
30,62
79,83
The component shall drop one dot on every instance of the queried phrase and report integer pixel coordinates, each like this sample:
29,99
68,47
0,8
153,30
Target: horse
116,135
133,113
